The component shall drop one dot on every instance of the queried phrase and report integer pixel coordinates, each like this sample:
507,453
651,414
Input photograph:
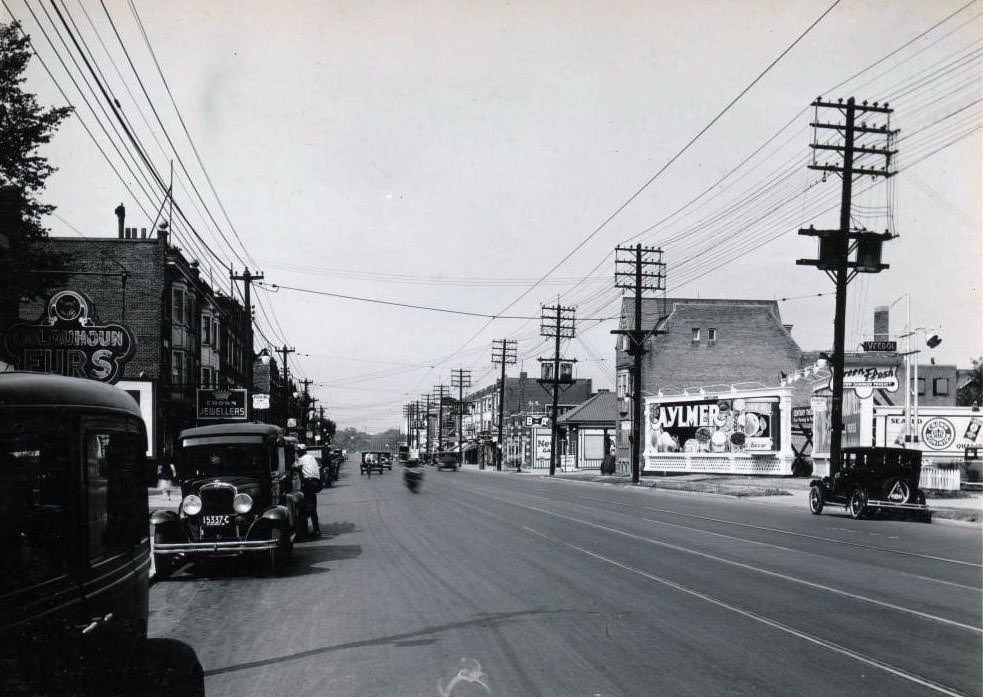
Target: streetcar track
748,567
813,639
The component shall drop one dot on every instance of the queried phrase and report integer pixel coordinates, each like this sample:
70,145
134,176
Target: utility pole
284,351
460,378
504,352
306,382
440,391
247,330
426,407
836,246
556,321
642,270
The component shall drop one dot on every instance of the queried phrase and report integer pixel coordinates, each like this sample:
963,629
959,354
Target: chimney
120,217
162,232
881,323
143,233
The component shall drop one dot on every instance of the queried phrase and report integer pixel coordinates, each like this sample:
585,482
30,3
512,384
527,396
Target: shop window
696,335
921,386
940,387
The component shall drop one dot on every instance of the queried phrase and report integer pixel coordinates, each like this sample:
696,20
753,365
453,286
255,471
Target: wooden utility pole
247,329
440,392
641,270
460,378
504,352
284,351
556,321
836,246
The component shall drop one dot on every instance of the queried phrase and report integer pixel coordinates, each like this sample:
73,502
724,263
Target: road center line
749,567
868,660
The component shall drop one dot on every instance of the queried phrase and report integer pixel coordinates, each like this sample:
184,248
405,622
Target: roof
656,309
601,410
235,427
22,389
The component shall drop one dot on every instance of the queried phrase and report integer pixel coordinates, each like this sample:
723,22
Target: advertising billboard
942,431
731,424
221,405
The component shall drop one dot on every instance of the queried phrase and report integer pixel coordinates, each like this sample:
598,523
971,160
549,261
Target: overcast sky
449,154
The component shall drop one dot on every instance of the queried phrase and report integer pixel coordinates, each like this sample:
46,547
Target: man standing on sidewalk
310,477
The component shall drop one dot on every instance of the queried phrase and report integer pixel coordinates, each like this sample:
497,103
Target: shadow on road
422,636
308,559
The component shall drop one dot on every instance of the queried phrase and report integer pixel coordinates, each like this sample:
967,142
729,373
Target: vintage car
375,461
871,479
75,546
240,496
330,462
448,459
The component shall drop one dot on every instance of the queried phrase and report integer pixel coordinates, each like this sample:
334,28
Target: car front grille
216,499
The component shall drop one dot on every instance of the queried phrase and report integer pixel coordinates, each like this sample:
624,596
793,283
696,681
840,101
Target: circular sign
938,433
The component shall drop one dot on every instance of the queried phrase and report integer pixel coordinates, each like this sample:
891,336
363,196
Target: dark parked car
240,496
871,479
75,547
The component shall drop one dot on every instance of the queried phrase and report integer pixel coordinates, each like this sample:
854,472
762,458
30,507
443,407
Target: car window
115,494
35,499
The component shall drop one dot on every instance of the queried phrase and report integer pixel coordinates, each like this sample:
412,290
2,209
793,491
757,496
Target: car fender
163,517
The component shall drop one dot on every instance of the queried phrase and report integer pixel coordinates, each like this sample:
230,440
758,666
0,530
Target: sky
487,158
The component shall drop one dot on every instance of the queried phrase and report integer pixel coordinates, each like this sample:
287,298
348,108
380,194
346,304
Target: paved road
500,584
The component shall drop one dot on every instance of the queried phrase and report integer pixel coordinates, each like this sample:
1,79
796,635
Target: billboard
732,424
942,431
221,405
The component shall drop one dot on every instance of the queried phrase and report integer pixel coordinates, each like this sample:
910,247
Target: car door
114,579
42,608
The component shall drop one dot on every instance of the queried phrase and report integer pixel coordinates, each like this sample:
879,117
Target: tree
970,393
24,127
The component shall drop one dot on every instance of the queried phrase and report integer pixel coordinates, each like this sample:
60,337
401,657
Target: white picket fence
939,478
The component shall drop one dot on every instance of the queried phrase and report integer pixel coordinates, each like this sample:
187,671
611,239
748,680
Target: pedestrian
166,474
310,478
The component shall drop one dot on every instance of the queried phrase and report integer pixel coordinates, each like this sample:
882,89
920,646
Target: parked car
240,496
871,479
75,546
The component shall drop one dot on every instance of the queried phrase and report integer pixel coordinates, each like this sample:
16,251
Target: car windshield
225,458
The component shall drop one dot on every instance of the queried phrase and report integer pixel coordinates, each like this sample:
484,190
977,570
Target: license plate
215,520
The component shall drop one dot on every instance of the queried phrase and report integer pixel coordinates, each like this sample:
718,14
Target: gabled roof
600,410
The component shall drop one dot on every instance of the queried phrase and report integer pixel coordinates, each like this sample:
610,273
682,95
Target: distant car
75,546
871,479
240,497
375,461
448,459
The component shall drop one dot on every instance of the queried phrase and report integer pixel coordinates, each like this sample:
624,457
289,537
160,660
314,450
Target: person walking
310,477
166,474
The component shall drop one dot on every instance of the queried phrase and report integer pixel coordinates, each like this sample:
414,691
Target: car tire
857,505
173,669
816,500
164,564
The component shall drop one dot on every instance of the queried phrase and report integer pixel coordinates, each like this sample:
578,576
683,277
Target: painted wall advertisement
714,425
941,430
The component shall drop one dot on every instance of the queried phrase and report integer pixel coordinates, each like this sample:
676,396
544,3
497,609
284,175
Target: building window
696,334
712,334
215,334
206,377
177,368
206,330
921,386
177,305
622,384
940,387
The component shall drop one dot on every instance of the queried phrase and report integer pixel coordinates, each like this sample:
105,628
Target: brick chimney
882,323
121,218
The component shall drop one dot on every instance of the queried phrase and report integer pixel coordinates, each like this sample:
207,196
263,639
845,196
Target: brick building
135,312
703,343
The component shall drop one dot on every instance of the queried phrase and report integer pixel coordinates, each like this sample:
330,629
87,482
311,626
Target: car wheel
164,564
816,500
858,504
173,669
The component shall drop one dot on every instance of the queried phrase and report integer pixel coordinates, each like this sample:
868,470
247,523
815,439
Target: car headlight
191,505
242,503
